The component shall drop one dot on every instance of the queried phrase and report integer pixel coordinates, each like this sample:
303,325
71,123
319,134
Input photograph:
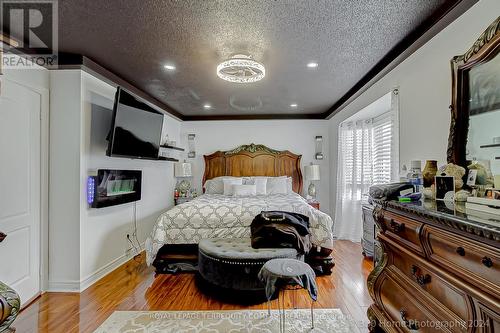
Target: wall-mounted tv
135,128
114,187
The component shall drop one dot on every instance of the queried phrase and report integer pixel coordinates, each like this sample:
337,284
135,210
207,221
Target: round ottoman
233,264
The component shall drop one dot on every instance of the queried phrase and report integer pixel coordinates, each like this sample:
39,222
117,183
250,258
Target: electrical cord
134,234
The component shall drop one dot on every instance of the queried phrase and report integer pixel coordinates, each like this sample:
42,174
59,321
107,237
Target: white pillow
259,182
276,185
216,185
244,190
289,185
229,185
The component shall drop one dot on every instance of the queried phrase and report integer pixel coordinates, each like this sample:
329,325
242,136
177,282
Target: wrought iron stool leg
279,310
312,314
284,314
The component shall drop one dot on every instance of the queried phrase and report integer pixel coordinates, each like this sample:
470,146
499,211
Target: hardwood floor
134,286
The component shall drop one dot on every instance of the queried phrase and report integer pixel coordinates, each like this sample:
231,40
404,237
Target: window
382,148
368,154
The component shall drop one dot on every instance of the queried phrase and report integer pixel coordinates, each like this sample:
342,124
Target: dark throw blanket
272,229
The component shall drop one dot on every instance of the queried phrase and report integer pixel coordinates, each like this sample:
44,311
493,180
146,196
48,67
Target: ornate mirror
475,105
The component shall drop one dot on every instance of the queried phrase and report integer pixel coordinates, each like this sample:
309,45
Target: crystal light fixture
241,69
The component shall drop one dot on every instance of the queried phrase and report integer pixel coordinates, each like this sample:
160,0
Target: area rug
251,321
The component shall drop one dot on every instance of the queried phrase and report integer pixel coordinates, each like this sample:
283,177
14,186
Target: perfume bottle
415,175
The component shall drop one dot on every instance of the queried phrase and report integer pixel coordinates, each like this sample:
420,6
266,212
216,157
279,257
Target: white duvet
216,215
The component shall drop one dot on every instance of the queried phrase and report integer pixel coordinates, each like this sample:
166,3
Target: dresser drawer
404,230
403,308
474,262
433,282
488,319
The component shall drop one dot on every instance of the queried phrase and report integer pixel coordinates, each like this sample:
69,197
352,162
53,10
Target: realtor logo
33,26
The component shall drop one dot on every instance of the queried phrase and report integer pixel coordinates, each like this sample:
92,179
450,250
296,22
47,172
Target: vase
429,172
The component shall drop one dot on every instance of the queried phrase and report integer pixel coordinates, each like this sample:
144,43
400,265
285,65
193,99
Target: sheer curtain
354,177
368,154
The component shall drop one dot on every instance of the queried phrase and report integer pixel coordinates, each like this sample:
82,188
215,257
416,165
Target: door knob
2,236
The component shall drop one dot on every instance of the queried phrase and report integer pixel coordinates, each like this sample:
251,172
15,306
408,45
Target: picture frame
445,188
471,177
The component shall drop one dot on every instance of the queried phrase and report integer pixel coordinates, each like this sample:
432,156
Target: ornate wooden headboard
254,160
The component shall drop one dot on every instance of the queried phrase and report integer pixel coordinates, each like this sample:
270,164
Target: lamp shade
312,172
182,169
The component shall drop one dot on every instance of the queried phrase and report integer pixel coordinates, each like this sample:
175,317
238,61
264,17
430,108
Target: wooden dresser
439,270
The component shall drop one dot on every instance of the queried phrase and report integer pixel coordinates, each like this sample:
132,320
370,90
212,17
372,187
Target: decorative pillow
229,184
259,182
216,185
244,190
276,185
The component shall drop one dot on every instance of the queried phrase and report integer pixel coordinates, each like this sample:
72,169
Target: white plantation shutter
356,142
368,154
383,133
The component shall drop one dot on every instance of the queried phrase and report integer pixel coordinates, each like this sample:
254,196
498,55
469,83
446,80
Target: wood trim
406,47
274,116
8,41
447,13
76,61
254,160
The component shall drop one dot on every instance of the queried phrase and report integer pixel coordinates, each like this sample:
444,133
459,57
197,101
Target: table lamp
183,170
312,174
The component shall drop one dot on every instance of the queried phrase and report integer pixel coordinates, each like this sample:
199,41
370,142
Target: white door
20,188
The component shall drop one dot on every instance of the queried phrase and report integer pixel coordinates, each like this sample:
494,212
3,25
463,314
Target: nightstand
313,203
181,200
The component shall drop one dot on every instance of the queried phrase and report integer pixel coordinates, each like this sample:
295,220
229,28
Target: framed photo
471,177
445,188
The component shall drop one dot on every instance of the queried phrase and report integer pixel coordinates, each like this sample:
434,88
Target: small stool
281,274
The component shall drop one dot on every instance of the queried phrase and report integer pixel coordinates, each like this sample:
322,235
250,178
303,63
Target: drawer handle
409,323
422,280
487,262
460,250
2,236
397,227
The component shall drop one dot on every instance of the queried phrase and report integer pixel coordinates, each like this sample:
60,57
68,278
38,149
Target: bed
217,215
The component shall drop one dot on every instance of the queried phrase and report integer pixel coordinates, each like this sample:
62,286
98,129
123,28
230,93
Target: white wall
104,230
424,82
64,185
92,242
298,136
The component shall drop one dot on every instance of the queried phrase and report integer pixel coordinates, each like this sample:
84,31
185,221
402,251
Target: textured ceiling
135,39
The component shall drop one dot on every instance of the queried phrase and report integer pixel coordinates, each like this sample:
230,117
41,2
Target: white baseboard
64,286
105,270
79,286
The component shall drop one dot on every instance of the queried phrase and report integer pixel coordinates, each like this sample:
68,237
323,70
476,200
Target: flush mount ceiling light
294,105
312,65
207,106
241,69
169,67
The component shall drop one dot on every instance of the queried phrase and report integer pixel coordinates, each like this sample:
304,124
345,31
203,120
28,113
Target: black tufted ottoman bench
231,266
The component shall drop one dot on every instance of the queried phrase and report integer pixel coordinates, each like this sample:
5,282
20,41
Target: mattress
219,216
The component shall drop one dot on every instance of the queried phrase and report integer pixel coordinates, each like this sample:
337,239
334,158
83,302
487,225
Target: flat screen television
135,128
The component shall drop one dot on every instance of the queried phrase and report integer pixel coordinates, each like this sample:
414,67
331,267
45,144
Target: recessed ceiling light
293,105
312,65
169,67
207,106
